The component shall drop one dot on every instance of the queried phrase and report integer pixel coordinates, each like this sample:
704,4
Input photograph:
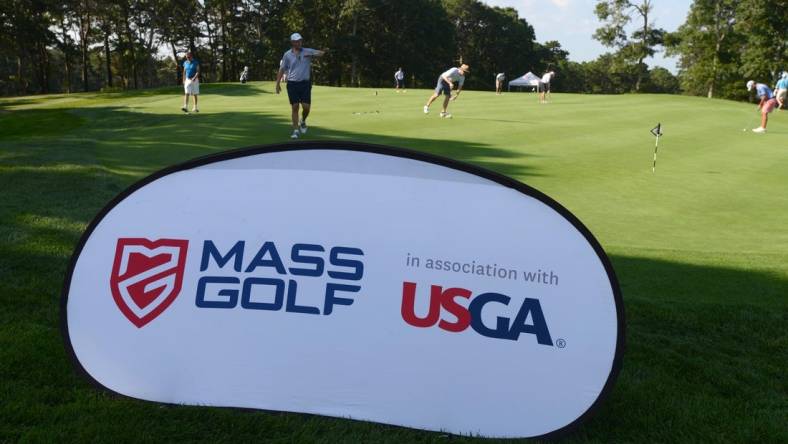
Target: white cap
295,36
750,84
785,74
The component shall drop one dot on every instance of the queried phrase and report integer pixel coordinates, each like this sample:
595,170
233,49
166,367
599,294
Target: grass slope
700,247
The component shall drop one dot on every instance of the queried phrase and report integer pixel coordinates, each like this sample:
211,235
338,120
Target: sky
572,23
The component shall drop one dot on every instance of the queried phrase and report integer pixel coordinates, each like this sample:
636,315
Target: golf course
699,246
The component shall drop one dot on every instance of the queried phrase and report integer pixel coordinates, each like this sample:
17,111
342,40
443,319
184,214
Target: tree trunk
211,44
108,58
354,60
21,83
132,49
643,49
151,74
714,62
178,80
43,68
84,29
223,24
66,58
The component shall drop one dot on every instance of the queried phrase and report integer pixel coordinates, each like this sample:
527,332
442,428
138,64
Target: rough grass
700,247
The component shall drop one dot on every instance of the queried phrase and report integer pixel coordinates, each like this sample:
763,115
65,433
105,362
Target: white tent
527,79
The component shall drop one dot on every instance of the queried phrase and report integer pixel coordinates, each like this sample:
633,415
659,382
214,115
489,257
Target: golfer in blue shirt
765,106
191,82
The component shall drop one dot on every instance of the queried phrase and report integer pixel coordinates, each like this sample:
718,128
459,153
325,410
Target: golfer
781,90
446,83
191,82
499,82
766,105
544,86
399,78
296,64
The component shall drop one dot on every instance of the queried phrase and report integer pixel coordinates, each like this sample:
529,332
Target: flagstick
656,145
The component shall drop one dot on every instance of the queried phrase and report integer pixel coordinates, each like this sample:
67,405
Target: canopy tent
527,79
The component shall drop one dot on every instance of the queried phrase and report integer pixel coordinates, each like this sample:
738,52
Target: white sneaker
759,130
195,110
426,109
302,127
446,115
184,109
294,135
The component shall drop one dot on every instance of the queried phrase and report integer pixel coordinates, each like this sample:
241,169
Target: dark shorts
443,87
400,83
299,92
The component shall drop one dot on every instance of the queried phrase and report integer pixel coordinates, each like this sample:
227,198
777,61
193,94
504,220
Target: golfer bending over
499,83
766,105
296,64
446,83
544,86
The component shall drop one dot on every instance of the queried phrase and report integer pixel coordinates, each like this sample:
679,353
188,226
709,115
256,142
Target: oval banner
348,280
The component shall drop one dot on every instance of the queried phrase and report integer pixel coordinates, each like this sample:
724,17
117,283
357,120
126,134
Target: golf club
752,121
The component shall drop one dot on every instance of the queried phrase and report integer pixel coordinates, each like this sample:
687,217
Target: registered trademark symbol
560,343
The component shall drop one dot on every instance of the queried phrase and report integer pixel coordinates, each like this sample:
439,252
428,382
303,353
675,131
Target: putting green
700,246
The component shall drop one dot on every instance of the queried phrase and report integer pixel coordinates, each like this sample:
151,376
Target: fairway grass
700,247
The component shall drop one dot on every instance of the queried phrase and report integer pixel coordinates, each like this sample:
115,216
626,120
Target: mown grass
700,247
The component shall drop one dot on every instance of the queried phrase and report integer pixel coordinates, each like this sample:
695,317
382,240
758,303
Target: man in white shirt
296,64
399,78
499,82
544,86
446,83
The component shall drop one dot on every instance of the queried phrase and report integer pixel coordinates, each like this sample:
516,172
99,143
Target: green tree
661,81
615,16
491,40
764,25
707,46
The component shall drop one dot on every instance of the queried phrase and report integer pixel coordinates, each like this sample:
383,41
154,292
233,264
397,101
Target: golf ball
744,129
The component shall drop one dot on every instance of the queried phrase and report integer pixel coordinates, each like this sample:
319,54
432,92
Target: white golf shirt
547,77
454,75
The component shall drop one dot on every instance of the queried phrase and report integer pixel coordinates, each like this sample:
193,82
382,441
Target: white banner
348,280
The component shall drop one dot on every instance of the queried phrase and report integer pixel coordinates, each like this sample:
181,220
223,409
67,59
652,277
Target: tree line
721,45
88,45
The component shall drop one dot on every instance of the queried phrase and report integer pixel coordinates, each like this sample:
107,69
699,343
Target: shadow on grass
235,89
222,89
146,142
8,102
20,124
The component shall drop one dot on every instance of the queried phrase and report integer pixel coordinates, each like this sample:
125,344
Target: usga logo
148,275
505,328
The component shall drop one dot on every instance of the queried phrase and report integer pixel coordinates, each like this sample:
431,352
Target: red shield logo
147,276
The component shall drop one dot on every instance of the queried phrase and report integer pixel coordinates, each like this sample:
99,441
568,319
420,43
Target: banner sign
348,280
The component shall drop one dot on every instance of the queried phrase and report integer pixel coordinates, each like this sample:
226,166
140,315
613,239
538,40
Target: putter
752,120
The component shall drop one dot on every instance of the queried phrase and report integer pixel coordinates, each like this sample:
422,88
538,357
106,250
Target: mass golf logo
147,276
